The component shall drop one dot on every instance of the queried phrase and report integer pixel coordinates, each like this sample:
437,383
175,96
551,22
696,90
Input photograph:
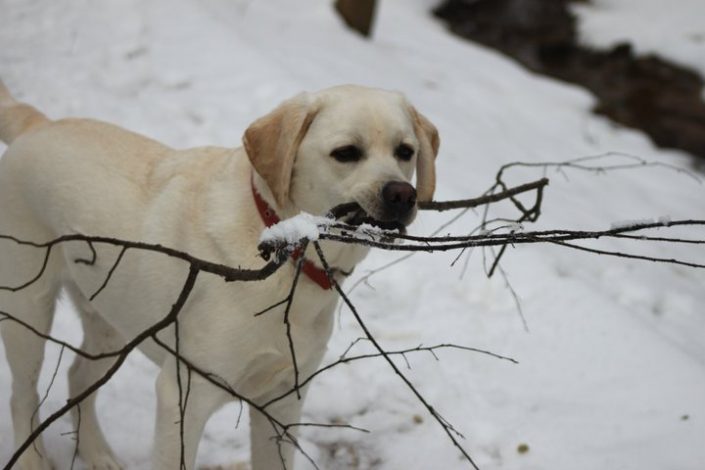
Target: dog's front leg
198,399
270,449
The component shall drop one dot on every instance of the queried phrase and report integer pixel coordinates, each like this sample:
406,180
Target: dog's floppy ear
271,142
427,135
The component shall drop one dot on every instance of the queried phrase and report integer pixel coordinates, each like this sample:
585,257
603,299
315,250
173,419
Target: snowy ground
675,31
612,370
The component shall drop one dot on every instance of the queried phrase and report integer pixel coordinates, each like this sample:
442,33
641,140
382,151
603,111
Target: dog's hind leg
98,337
33,305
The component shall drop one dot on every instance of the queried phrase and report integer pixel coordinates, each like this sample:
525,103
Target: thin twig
344,359
447,427
287,310
110,273
441,206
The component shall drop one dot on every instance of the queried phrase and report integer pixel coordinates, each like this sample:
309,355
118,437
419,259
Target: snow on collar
270,218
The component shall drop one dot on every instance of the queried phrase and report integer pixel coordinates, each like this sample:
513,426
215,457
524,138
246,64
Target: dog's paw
101,461
230,466
33,461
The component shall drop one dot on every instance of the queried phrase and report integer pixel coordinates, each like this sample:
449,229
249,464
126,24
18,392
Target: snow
633,223
295,229
664,219
675,30
610,373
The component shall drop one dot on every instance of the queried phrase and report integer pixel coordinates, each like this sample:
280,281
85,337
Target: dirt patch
645,92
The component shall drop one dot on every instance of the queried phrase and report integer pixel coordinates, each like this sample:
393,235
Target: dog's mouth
353,214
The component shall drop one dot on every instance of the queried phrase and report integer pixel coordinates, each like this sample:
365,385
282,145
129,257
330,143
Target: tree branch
447,427
71,402
441,206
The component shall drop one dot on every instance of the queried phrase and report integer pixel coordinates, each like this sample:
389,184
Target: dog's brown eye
404,152
348,153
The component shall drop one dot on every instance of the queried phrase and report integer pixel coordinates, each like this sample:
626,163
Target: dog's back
55,169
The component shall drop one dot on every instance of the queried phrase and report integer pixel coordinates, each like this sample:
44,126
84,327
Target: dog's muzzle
396,211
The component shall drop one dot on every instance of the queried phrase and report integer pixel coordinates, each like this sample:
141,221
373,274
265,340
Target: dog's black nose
399,198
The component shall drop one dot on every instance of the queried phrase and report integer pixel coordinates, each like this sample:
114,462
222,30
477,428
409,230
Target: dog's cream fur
84,176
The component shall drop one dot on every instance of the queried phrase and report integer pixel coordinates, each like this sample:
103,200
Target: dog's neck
342,257
282,211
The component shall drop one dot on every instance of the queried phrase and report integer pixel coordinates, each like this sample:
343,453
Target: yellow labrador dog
313,152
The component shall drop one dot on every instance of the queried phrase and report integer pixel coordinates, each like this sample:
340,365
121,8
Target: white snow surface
611,371
674,30
295,229
620,224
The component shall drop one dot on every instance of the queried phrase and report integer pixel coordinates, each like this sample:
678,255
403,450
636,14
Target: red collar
269,217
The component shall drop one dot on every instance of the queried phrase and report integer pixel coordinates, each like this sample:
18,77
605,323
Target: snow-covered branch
280,242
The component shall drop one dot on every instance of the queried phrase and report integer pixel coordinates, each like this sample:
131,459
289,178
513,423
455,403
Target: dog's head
347,144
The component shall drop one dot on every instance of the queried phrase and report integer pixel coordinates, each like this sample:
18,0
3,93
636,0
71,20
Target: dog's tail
16,118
